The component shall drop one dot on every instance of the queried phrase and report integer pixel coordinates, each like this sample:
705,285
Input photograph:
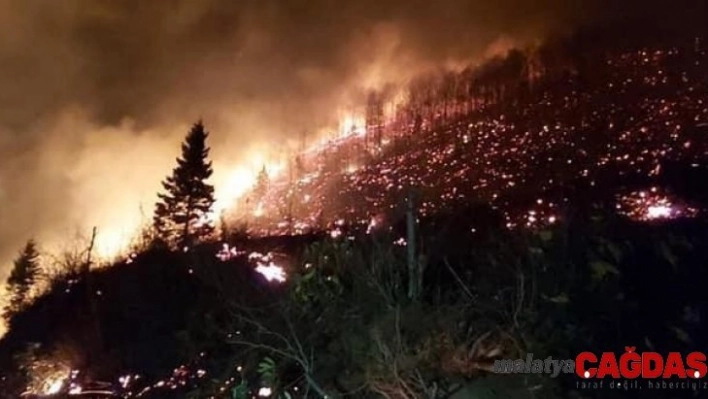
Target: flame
259,210
75,390
266,267
659,211
240,179
48,377
112,243
54,386
352,124
120,226
271,272
396,101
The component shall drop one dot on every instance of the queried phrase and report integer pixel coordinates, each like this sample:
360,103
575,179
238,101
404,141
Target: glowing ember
54,386
271,272
259,257
265,392
372,225
75,389
352,125
259,210
126,380
266,267
659,212
351,169
47,376
653,205
401,241
227,252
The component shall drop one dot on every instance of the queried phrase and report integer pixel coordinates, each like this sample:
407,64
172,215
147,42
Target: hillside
144,314
191,324
537,128
558,207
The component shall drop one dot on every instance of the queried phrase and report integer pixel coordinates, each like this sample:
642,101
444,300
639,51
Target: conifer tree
181,212
22,278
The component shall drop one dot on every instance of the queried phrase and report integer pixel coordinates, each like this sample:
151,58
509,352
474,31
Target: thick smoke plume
95,95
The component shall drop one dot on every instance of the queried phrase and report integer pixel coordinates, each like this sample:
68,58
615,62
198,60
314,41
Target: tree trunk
188,217
91,298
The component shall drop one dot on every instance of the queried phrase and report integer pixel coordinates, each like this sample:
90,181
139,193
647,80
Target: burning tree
374,116
22,278
181,215
262,182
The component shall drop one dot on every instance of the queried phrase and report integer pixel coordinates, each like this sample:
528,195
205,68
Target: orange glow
240,178
259,210
352,125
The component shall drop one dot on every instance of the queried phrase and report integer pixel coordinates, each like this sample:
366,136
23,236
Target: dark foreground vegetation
347,323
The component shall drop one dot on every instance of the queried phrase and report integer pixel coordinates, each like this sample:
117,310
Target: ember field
523,134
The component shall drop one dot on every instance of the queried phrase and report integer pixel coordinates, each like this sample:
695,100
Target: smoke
96,95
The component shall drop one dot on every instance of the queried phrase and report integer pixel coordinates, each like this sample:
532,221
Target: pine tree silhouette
22,279
181,212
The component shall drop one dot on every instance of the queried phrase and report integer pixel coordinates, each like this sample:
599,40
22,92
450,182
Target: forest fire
127,386
351,125
240,180
48,377
652,204
350,224
266,267
263,263
466,150
460,149
53,385
271,272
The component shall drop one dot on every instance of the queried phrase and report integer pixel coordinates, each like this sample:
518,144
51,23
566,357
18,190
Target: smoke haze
96,95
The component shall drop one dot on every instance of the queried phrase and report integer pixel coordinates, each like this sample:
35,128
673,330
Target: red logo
648,365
